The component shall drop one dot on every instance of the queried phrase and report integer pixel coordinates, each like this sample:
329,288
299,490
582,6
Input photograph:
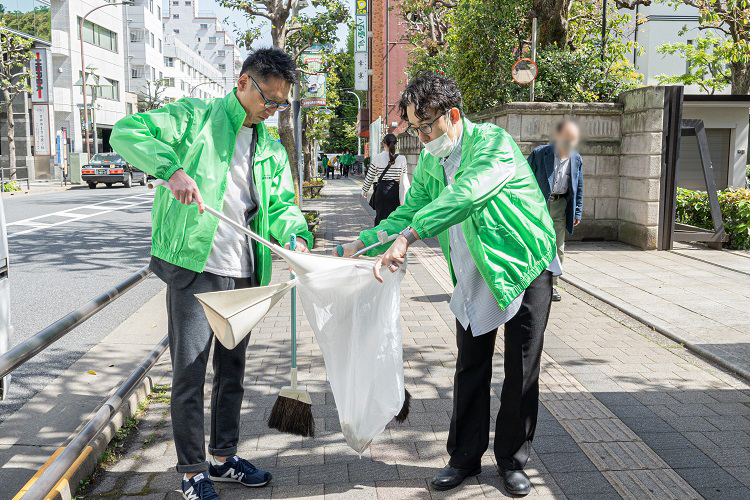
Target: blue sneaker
239,470
199,487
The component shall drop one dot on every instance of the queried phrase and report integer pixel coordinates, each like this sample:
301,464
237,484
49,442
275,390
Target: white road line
100,208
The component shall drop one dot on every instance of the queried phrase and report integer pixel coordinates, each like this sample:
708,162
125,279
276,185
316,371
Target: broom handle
292,245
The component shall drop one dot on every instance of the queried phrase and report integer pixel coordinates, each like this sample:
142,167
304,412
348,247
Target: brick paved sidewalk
625,413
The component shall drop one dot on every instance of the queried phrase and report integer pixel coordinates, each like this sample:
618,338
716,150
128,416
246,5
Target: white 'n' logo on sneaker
231,474
191,495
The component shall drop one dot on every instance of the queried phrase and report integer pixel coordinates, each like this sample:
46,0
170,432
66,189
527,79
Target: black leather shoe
516,482
556,295
450,477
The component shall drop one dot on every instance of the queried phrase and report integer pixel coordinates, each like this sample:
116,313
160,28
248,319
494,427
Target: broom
292,412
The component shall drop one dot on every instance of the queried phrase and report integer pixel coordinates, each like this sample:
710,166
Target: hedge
693,208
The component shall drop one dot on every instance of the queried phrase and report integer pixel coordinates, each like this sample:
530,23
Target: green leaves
15,53
693,208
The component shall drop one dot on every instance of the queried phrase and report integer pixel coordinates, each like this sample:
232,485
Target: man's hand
349,249
301,246
391,258
185,190
576,222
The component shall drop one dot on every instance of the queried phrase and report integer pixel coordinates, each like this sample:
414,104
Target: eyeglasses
268,103
425,128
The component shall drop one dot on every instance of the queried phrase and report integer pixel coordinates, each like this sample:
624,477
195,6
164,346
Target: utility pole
297,118
533,56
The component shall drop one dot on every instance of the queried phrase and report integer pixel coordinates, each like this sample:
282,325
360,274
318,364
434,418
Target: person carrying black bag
388,167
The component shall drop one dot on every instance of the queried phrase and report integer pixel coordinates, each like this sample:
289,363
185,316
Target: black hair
428,91
561,124
270,62
390,141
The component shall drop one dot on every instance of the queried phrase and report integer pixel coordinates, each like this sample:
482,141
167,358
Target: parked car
109,168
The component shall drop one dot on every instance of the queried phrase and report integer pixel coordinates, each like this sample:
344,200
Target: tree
294,35
342,129
426,23
706,60
730,18
151,96
15,78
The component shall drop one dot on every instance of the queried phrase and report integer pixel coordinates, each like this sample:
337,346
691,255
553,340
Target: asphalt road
65,249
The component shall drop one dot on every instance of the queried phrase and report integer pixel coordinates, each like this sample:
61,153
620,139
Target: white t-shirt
231,254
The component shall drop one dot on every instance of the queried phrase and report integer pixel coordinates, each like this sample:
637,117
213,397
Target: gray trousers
557,212
190,339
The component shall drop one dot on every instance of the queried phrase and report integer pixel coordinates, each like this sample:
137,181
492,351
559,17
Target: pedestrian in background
334,165
558,170
388,168
325,165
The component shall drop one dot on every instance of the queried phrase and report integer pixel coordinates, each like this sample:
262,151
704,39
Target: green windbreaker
199,136
507,226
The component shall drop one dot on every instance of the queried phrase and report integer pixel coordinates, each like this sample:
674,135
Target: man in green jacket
346,162
217,153
475,192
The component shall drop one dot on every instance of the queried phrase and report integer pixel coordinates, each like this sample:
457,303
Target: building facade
202,32
144,48
187,74
30,19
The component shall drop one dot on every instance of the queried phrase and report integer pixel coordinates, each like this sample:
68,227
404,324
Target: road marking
69,215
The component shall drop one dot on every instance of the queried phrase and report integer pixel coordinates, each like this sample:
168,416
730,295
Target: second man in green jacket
475,192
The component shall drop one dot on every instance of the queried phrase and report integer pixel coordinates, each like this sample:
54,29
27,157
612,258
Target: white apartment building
663,25
103,48
203,33
188,74
144,51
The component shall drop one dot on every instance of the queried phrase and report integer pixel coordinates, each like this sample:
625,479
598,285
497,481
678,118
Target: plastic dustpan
233,313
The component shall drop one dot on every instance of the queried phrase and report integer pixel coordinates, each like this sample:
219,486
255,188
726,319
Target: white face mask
440,147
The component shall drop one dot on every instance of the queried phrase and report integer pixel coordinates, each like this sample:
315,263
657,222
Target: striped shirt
378,164
472,301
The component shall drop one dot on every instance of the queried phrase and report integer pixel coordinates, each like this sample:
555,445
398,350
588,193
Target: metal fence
29,348
6,177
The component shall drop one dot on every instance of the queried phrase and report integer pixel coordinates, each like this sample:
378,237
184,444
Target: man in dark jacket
557,168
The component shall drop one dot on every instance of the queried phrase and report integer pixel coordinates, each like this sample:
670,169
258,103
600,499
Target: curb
656,324
33,192
87,462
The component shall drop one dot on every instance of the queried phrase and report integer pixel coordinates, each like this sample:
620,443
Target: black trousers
386,199
468,437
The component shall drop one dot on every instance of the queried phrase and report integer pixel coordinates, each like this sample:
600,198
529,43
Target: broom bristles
404,413
292,417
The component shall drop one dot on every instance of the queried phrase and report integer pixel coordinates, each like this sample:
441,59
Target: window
28,16
175,16
111,91
136,73
161,75
176,32
169,82
175,3
182,66
151,5
99,36
182,85
189,2
169,62
204,26
222,67
136,35
160,46
221,53
153,73
212,39
158,11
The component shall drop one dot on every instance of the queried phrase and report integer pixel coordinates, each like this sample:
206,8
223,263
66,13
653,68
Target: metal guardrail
4,179
30,347
59,467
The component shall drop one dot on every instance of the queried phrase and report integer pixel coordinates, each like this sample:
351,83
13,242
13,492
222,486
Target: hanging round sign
524,71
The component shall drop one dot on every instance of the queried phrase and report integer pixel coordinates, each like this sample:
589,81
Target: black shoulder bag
380,179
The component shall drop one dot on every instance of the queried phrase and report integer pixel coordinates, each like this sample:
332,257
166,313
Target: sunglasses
268,103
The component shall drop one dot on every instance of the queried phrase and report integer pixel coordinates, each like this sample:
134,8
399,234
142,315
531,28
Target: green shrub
693,208
11,186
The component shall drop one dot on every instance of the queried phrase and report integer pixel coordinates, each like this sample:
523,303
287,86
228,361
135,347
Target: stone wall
621,154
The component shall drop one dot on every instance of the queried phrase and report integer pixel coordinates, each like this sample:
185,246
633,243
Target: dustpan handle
239,227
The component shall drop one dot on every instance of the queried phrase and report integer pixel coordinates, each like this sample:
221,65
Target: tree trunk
552,16
740,78
11,134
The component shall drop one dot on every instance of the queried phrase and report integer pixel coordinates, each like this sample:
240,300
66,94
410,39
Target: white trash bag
357,322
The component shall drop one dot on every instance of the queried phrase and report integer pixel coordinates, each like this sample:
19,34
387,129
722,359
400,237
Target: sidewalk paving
625,412
701,297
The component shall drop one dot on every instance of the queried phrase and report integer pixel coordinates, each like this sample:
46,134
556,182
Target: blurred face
437,124
566,140
260,99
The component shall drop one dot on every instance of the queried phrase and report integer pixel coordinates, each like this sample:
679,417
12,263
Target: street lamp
83,70
359,105
93,81
193,89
